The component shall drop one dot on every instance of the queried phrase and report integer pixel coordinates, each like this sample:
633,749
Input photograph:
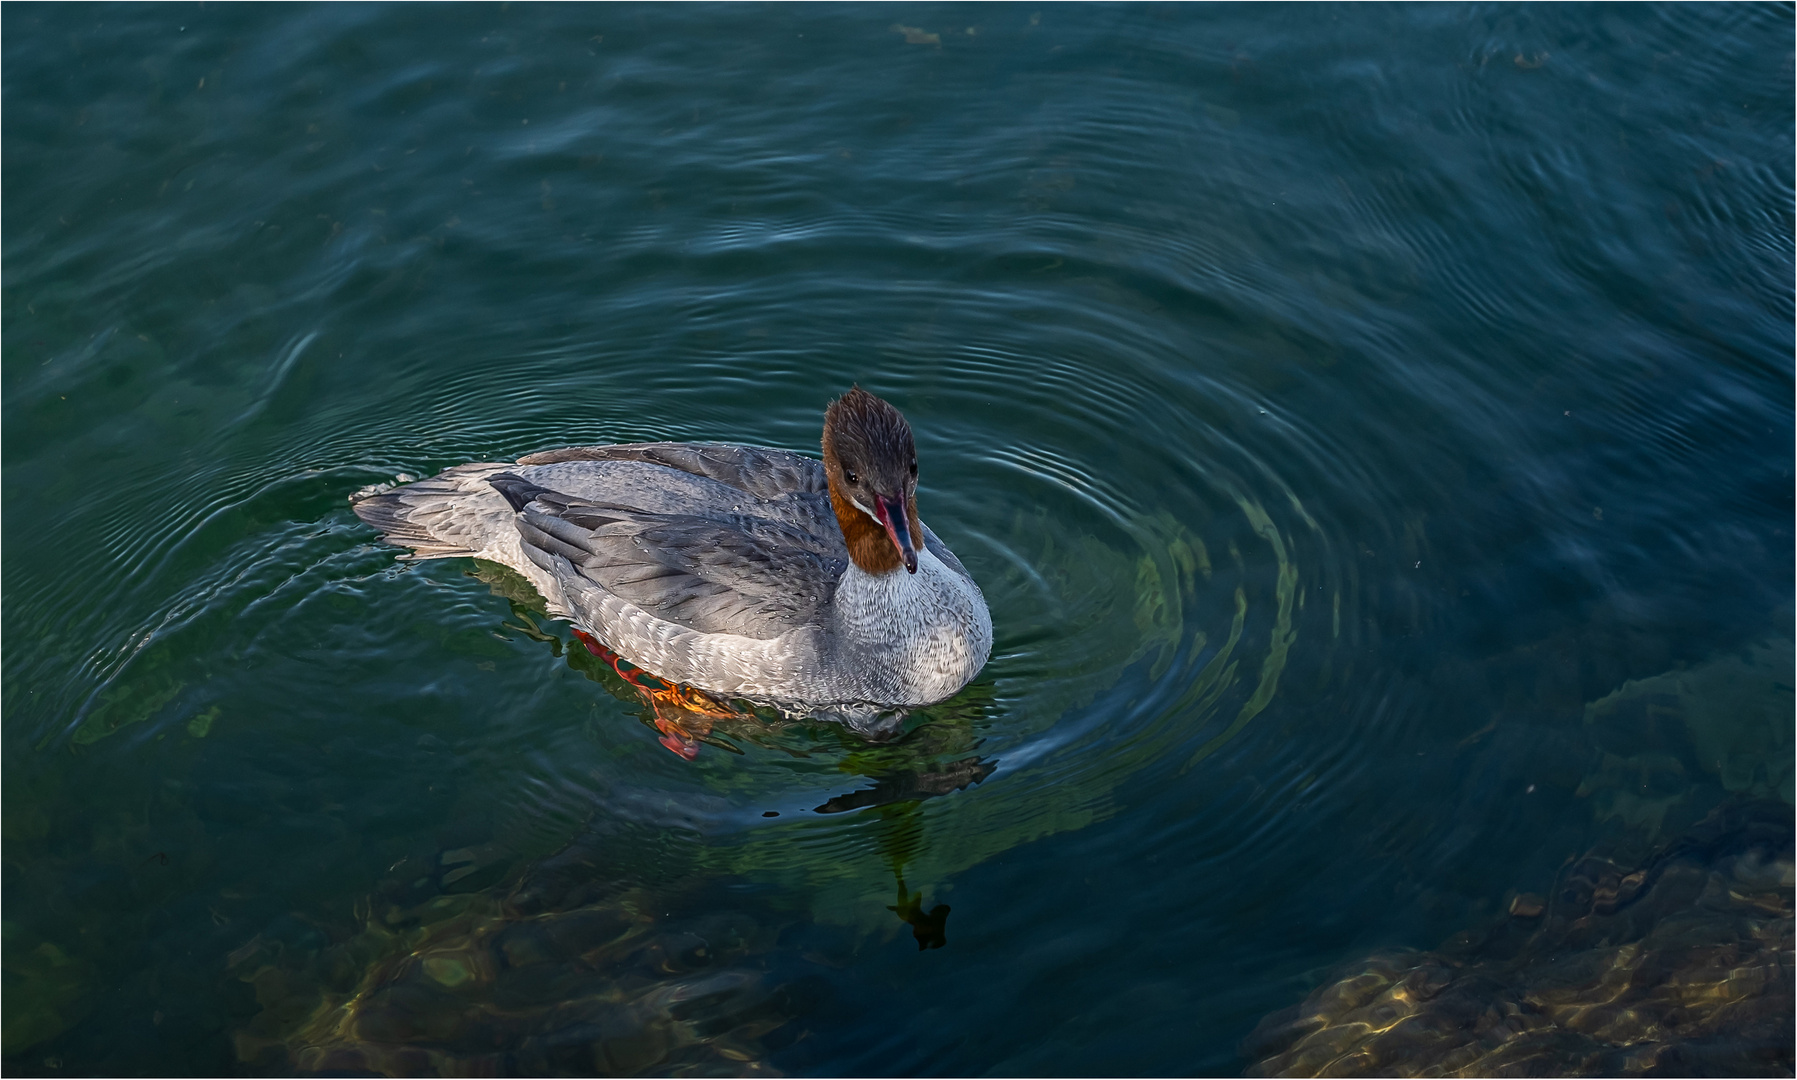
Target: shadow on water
930,928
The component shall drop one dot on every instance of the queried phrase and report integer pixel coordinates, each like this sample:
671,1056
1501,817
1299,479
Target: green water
1371,428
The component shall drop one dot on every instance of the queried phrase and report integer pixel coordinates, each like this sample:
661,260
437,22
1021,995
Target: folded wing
751,563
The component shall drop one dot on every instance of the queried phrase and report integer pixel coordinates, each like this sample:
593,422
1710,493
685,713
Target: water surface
1348,412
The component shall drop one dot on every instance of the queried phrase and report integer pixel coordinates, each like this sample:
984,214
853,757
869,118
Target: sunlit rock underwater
1679,964
576,968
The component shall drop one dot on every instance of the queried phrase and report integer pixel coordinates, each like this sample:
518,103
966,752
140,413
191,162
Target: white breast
912,639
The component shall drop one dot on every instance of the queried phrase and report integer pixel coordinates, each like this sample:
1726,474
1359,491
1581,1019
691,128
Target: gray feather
749,569
449,515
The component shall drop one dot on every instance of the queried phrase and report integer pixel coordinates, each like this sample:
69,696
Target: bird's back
714,538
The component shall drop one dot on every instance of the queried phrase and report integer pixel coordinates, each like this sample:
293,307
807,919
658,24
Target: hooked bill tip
891,513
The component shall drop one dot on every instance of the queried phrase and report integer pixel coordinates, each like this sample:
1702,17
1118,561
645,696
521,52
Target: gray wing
759,471
757,574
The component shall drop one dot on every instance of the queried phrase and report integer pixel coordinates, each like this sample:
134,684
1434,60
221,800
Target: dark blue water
1353,416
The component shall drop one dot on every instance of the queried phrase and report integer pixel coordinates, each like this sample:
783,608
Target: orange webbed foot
683,715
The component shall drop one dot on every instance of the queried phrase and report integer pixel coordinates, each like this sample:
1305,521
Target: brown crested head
870,460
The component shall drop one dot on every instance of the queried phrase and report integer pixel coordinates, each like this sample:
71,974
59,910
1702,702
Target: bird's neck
869,546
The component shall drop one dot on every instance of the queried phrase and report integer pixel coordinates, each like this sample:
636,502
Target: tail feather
454,513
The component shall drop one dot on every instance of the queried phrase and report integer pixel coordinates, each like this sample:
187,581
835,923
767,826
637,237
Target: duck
745,572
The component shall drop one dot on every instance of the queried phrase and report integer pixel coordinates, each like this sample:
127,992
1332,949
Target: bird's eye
914,467
851,478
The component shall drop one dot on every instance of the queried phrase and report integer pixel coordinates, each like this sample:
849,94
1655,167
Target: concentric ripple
1329,408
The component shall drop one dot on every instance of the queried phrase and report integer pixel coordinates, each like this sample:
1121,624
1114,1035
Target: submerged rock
1737,709
564,973
46,990
1680,965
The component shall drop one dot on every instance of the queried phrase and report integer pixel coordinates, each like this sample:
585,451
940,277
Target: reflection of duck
744,572
912,786
929,928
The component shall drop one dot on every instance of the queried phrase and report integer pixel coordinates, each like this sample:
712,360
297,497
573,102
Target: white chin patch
865,510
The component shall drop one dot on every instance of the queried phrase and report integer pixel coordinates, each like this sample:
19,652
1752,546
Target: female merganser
741,571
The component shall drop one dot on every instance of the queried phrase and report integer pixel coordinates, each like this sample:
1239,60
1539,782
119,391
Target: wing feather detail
754,569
